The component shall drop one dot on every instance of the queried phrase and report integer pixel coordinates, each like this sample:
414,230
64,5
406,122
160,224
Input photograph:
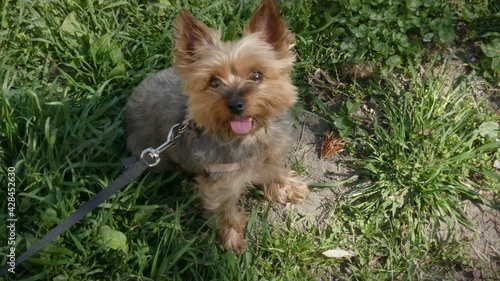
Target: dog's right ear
266,19
189,34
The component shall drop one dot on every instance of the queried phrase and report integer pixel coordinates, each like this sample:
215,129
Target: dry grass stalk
331,145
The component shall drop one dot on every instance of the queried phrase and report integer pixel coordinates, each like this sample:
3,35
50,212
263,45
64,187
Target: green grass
67,68
423,158
420,160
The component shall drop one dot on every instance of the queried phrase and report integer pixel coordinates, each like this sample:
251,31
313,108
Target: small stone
496,164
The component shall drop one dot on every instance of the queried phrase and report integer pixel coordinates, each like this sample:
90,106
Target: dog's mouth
241,125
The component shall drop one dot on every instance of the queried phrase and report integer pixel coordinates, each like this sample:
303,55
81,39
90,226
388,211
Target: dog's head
235,87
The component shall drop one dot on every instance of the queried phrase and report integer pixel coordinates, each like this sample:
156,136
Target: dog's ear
189,34
267,20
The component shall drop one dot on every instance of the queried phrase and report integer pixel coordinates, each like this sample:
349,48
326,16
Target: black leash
149,157
130,174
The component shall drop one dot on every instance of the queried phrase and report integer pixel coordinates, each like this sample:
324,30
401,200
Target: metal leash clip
152,155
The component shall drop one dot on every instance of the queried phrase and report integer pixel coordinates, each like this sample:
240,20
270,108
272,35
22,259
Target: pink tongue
241,126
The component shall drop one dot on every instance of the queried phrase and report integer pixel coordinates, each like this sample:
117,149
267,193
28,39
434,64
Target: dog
237,97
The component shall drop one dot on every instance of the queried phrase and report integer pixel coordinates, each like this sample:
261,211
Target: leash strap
149,157
128,176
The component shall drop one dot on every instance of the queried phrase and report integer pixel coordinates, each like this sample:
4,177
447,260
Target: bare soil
318,170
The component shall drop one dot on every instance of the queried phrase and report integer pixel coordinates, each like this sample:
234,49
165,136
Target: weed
424,151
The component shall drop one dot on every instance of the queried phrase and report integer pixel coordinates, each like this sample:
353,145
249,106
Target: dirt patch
316,169
305,159
485,241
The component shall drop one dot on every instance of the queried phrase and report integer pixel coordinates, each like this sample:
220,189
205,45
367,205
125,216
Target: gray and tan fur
208,75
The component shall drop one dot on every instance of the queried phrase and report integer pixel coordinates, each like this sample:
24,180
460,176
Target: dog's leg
221,198
281,184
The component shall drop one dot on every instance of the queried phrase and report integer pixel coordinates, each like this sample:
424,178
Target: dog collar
224,168
194,128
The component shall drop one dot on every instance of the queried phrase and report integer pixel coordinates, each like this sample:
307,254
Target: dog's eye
256,76
215,82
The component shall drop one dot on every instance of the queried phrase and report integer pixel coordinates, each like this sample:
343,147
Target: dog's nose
236,106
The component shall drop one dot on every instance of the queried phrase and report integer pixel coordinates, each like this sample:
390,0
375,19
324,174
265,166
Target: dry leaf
338,253
357,70
328,86
320,73
331,145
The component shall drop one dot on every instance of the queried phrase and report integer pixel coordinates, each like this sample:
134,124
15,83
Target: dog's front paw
298,187
233,240
290,189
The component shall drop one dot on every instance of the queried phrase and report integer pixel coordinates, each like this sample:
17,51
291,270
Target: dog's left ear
267,20
190,34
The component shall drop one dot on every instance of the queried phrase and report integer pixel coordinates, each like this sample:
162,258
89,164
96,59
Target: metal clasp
152,156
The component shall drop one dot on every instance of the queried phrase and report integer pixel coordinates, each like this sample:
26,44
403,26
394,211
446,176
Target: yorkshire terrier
237,96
